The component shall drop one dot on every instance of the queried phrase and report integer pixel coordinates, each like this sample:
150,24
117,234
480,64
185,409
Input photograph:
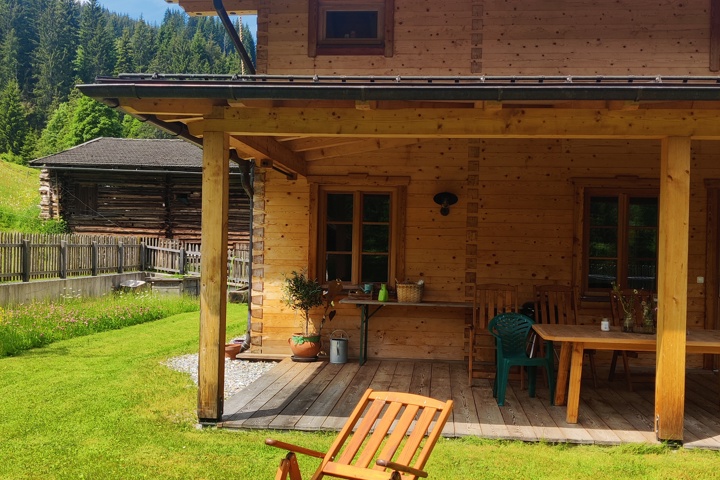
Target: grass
20,201
37,324
105,406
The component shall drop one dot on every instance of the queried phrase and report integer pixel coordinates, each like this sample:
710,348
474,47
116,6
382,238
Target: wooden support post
94,258
63,259
121,257
26,260
672,288
213,275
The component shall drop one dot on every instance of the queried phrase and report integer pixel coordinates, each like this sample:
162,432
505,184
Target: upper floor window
621,240
350,27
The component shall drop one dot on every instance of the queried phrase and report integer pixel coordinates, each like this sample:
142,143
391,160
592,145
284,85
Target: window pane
346,24
340,207
602,273
642,275
374,268
338,266
643,212
642,243
604,211
376,238
339,238
376,208
603,242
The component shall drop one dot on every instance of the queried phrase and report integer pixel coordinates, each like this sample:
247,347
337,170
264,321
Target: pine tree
125,55
95,53
54,54
9,58
143,46
13,120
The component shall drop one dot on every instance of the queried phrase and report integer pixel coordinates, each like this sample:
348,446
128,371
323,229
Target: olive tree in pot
303,294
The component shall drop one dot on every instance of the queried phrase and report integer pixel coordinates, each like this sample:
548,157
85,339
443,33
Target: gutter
123,170
230,29
468,89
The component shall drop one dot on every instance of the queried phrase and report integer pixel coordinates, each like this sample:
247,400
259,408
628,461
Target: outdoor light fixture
445,199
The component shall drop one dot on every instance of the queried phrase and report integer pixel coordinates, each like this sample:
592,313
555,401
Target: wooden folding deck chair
387,443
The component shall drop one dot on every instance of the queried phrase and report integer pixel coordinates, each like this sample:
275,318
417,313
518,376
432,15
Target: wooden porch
320,396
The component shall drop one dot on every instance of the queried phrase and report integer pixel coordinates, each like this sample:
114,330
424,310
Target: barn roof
127,154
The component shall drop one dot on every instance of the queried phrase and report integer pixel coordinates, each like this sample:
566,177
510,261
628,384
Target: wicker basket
409,292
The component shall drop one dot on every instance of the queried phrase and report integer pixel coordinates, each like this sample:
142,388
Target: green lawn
104,406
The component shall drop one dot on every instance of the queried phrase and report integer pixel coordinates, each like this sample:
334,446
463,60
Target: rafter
268,148
362,146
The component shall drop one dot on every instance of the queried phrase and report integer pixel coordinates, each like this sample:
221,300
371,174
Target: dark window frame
319,44
623,195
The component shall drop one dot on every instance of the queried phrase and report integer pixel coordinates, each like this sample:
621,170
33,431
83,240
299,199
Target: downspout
247,180
230,29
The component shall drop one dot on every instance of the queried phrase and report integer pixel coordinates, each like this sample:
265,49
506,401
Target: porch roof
408,88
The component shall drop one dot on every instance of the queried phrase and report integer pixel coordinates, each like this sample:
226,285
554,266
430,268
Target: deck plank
315,416
320,396
350,397
283,398
465,419
237,402
492,423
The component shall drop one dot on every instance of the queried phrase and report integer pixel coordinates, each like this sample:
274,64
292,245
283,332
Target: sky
152,11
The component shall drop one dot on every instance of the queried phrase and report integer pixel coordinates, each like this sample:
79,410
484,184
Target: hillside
20,199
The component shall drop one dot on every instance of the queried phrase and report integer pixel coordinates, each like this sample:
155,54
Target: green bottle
383,293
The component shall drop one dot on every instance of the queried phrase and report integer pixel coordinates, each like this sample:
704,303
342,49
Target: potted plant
303,294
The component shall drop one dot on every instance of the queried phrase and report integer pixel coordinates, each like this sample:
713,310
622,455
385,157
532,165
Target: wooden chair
556,304
618,317
490,299
387,443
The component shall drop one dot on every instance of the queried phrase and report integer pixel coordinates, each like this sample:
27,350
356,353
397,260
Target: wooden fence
26,257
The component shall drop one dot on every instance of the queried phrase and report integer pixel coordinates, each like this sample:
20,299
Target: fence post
63,259
143,256
94,258
26,260
183,261
121,257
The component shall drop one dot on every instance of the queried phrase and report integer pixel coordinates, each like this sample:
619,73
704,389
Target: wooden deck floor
320,396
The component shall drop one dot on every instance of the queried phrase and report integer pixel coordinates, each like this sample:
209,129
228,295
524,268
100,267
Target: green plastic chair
511,332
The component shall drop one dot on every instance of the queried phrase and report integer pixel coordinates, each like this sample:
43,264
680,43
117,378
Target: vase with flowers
649,308
627,302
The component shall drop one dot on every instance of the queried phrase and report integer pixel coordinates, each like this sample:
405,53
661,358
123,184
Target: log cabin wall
514,224
506,37
515,220
137,203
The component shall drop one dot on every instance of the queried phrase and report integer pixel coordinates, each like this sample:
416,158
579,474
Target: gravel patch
238,373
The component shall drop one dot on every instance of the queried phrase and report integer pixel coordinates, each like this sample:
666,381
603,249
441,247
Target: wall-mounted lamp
445,199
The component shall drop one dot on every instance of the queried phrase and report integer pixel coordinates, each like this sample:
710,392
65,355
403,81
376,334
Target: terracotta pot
304,347
232,349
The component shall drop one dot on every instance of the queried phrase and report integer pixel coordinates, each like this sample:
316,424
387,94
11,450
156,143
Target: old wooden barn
536,115
123,186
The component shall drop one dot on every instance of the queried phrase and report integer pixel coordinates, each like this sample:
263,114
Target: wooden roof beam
466,123
359,147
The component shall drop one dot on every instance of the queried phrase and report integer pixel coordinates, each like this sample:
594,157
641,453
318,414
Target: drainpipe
247,180
230,29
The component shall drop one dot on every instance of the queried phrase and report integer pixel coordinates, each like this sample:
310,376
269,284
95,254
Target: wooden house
580,138
141,187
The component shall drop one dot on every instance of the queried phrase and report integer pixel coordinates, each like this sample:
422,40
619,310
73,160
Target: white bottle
605,325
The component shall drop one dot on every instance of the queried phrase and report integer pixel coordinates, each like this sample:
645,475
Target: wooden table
576,338
365,314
